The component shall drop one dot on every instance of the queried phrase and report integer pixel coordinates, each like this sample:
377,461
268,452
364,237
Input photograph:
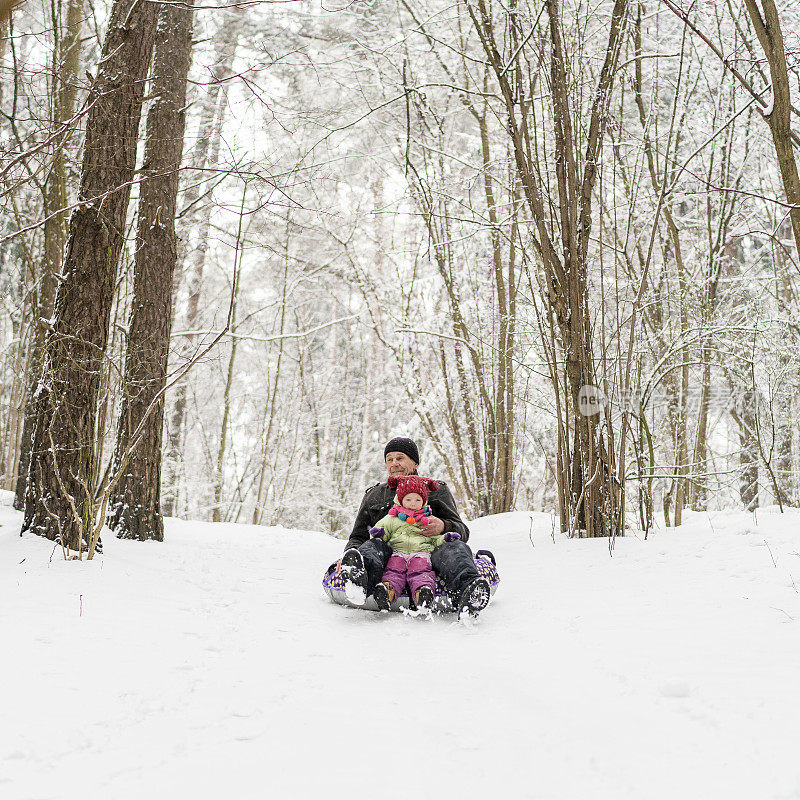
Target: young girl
402,530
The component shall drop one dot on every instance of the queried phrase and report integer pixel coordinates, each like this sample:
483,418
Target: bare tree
197,224
136,499
66,61
778,109
589,494
59,501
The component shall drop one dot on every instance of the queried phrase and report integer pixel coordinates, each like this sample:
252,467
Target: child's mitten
451,536
377,533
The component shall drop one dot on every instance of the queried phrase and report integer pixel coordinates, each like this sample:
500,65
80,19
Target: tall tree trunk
10,442
219,470
6,7
504,492
682,439
66,60
3,36
205,152
768,29
676,383
500,423
136,498
271,409
59,499
786,393
744,415
699,497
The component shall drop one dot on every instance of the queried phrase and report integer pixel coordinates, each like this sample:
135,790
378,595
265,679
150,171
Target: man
364,558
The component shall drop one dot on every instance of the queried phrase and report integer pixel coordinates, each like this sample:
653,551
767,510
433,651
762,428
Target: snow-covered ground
213,665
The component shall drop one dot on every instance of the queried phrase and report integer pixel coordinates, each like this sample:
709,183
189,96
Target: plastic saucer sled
484,560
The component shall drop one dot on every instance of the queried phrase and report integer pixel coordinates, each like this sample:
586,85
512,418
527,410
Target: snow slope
213,665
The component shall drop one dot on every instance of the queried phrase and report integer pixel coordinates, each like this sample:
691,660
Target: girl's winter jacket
399,535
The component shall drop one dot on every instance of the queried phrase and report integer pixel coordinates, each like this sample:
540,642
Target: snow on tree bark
66,63
60,495
136,498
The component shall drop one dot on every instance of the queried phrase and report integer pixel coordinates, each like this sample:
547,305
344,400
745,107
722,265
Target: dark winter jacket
378,500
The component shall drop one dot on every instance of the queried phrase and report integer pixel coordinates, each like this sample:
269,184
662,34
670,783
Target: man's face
398,464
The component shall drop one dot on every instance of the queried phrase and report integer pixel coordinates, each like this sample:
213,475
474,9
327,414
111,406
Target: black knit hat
402,445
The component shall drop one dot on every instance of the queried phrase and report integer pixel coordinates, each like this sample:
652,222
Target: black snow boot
423,599
474,597
383,596
355,577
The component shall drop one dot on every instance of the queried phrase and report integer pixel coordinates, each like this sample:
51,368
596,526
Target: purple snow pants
412,567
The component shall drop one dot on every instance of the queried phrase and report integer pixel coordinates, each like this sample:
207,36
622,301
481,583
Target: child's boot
384,596
423,598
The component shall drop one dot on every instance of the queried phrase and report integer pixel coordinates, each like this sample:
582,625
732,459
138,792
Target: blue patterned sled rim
334,587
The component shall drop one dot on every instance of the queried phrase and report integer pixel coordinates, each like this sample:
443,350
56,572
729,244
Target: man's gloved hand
451,536
376,533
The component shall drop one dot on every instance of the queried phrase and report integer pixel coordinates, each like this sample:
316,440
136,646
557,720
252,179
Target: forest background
474,223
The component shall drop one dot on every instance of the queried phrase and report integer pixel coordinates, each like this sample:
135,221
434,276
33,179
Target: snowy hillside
213,666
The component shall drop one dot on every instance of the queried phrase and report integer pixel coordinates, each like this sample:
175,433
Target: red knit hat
416,484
